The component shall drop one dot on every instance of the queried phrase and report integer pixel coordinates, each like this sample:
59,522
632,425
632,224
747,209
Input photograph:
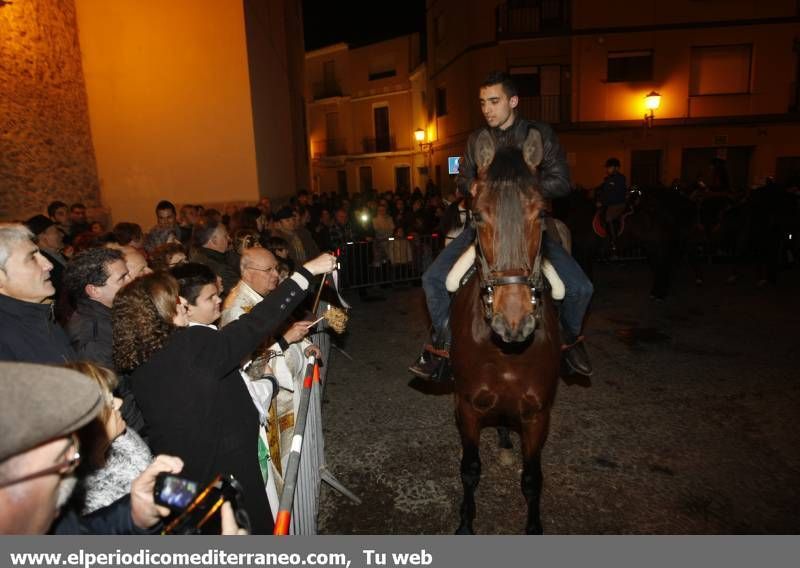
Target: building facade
726,72
364,105
121,104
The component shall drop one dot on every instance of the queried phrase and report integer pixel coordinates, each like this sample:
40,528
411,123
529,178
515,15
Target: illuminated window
720,70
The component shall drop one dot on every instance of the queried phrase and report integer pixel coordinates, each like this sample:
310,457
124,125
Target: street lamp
652,101
419,136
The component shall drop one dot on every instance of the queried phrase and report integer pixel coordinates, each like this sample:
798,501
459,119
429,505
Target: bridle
488,282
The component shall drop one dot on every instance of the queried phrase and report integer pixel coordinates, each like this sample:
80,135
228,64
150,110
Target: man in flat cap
286,222
41,409
29,332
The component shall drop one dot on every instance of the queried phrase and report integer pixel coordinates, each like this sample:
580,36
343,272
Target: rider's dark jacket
553,170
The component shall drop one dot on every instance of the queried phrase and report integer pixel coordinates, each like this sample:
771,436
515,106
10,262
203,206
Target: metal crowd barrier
307,469
387,260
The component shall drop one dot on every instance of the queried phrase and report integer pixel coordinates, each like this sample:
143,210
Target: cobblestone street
689,424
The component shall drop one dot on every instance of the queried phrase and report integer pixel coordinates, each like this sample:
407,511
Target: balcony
329,147
383,144
552,109
326,89
518,19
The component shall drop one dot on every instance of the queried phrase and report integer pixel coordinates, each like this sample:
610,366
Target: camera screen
452,165
176,492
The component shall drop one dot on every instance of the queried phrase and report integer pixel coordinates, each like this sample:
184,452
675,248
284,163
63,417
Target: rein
534,280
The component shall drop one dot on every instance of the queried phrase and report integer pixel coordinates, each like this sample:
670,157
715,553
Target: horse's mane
508,180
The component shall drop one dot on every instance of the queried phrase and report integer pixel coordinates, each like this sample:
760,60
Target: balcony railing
326,89
525,18
383,144
553,109
330,147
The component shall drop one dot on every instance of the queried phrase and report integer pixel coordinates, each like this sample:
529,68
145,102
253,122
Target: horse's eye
476,217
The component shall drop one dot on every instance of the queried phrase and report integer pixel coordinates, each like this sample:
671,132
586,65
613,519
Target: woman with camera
186,380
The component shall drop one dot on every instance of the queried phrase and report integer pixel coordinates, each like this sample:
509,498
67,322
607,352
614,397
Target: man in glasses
41,409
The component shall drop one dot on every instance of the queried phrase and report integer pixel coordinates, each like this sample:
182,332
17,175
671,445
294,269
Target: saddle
600,219
464,267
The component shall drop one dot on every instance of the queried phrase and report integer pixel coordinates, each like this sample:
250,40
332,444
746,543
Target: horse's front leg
533,437
469,430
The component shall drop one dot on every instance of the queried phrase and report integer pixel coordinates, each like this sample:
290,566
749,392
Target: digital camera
196,509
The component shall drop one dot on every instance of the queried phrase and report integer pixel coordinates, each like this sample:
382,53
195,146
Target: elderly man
24,286
211,242
259,269
93,279
41,409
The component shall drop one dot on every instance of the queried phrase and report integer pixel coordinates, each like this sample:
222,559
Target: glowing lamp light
419,135
652,101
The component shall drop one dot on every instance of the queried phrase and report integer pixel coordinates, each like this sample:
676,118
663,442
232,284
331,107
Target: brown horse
506,348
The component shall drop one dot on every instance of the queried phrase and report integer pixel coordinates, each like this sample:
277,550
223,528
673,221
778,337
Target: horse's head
506,211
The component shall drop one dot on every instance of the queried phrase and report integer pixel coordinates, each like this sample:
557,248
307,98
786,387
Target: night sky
359,23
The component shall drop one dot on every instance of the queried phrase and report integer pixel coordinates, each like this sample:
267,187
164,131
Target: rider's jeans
433,281
578,293
579,288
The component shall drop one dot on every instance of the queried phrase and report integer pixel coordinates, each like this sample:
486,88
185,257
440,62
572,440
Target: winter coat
89,331
127,458
28,333
553,170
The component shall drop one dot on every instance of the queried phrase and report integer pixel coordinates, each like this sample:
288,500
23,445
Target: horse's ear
484,150
532,149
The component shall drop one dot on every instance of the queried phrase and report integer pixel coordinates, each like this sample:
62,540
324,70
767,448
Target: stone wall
46,148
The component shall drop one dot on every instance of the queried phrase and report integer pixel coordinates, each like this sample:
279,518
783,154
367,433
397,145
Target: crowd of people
128,354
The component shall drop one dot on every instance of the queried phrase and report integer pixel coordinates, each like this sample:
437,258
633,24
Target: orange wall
169,102
596,100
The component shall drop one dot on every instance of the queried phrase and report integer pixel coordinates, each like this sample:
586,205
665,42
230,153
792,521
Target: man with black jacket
93,278
499,100
29,331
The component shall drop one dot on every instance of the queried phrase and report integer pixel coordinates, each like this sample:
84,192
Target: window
382,74
720,70
630,66
441,101
381,66
329,72
438,29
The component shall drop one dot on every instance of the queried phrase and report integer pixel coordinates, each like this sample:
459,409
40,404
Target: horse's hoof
464,530
506,457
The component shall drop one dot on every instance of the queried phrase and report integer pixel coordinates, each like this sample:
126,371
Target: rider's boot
433,364
575,356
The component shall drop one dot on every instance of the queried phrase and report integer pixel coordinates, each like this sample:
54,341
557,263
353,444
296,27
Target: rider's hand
324,263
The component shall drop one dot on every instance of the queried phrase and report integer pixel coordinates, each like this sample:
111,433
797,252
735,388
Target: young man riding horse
499,100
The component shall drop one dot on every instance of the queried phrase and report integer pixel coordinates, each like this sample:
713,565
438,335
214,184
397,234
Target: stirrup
441,353
567,347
